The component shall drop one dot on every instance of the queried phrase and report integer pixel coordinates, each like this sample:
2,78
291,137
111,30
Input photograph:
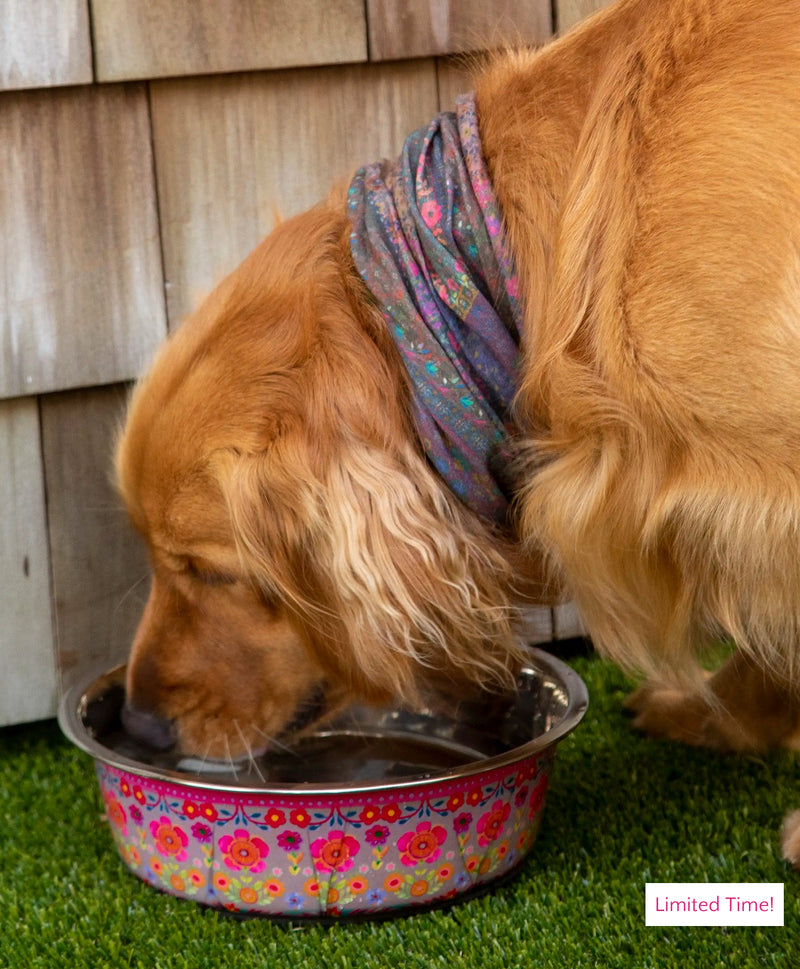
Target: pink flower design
290,840
422,845
378,835
170,841
431,213
462,822
490,825
336,853
241,851
202,832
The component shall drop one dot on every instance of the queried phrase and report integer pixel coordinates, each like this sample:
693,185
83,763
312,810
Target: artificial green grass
622,810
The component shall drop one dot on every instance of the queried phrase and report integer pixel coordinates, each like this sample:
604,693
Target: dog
307,550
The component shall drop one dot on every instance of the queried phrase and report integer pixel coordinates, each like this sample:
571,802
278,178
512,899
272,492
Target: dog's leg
742,707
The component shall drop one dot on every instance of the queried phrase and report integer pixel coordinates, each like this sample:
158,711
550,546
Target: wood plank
44,43
265,143
166,38
453,77
27,649
100,571
566,622
420,28
537,624
81,287
570,12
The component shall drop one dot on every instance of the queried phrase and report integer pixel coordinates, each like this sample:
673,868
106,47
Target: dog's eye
208,576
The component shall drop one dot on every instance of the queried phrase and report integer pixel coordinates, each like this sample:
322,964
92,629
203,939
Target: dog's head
299,542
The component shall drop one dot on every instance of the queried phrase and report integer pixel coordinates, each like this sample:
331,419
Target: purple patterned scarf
427,238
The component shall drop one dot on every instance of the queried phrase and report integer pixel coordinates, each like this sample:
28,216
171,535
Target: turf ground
622,810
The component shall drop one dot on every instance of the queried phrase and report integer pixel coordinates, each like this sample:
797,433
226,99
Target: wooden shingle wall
145,148
570,12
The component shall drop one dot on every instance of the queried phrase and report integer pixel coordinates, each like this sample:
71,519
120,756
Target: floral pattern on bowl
298,855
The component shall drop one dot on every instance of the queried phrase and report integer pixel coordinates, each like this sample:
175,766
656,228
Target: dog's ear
393,584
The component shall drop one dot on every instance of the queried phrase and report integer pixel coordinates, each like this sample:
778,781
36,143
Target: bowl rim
72,727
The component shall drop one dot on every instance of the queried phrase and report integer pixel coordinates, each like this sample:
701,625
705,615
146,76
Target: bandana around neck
428,241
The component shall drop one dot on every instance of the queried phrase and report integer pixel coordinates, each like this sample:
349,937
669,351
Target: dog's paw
672,713
790,838
690,716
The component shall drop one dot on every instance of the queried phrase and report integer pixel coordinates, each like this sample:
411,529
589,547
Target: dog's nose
148,727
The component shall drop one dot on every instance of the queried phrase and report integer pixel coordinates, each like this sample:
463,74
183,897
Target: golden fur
647,167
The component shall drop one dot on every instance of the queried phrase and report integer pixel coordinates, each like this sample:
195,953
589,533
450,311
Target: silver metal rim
69,720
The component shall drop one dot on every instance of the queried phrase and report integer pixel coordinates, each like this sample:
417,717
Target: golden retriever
648,168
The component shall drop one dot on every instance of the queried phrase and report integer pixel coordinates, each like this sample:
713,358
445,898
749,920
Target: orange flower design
241,851
422,845
248,895
393,883
170,841
115,812
336,853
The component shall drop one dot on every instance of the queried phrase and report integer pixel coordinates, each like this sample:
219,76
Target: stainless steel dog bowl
380,810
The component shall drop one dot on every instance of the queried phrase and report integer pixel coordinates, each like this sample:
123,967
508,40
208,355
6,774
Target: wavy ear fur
392,585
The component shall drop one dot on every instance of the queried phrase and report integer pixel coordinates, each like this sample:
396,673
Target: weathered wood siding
81,284
44,43
421,28
28,680
264,144
569,12
174,38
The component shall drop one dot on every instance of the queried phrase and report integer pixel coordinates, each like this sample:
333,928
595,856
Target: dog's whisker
248,747
257,769
229,757
273,741
204,756
130,591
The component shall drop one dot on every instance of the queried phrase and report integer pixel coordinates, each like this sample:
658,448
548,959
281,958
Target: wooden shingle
453,78
567,623
27,654
100,571
81,285
419,28
44,43
569,12
232,152
168,38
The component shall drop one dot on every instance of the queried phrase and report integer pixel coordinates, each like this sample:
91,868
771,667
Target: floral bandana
427,238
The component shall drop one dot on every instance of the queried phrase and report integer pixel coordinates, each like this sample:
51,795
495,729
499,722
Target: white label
709,903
